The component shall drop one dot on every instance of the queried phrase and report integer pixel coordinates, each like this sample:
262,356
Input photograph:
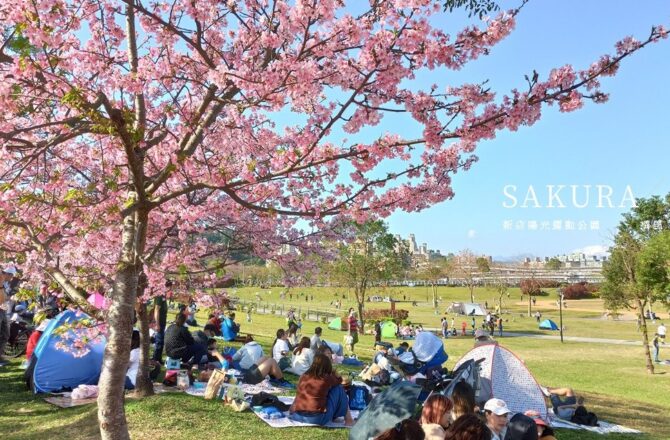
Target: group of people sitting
409,331
458,418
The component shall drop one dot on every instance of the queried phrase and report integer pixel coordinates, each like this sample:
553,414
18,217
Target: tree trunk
434,296
645,337
144,387
530,305
472,293
111,413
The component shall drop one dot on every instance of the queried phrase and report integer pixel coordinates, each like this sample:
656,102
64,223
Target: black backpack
584,417
414,367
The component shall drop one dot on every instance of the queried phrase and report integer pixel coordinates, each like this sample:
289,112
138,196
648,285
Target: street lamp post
560,311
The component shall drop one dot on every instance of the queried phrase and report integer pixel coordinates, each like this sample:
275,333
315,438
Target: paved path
575,339
558,338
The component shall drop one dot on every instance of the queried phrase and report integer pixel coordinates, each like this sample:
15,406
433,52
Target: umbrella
389,407
98,301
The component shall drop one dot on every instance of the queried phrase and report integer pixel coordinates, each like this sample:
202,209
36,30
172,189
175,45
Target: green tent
389,329
337,324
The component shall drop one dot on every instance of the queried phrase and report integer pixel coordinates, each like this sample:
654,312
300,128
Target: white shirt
280,345
315,342
248,355
661,330
301,362
133,365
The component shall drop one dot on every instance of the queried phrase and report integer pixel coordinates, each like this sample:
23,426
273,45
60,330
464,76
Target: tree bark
645,336
530,305
434,296
144,387
111,413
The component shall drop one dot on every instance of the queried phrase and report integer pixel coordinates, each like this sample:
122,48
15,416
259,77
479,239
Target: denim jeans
159,339
656,352
336,406
556,402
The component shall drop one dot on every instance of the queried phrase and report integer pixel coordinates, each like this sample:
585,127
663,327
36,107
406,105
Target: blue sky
619,144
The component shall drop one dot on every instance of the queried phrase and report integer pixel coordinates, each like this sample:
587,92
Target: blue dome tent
548,324
54,369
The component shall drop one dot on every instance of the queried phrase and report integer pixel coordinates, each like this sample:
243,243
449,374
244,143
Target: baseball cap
536,417
497,407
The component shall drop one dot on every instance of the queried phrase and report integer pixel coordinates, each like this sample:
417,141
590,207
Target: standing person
160,318
639,323
655,343
464,325
500,325
661,331
445,327
496,413
378,332
5,277
353,328
453,324
474,325
320,397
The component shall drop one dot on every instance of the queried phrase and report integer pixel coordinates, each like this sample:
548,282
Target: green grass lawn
612,378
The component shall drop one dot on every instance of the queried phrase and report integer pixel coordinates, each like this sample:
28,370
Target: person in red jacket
35,338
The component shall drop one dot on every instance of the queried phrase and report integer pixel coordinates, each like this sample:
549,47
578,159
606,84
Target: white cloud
472,233
594,249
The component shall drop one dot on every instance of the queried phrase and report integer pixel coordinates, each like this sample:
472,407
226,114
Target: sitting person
408,429
482,338
179,343
281,350
402,348
203,336
468,427
496,413
35,338
544,431
564,401
230,329
463,398
436,416
292,335
521,427
255,366
320,397
216,322
385,359
302,359
315,342
134,361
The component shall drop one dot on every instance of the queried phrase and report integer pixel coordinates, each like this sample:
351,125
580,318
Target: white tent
471,309
504,376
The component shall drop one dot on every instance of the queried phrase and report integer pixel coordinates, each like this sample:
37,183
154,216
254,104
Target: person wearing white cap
496,417
482,338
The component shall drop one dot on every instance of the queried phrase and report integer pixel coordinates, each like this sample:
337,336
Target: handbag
214,384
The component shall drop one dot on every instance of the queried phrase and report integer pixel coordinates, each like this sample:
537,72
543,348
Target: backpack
359,397
584,417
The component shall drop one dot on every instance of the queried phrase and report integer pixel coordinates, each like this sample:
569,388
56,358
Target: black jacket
177,340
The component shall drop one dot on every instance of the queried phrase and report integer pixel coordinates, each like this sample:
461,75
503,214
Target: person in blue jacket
230,329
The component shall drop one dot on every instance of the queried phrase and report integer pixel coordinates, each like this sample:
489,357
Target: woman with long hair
281,350
436,416
303,356
463,398
292,334
320,397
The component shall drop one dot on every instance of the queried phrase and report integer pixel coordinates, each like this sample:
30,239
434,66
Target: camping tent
471,309
504,376
548,324
54,369
389,329
337,324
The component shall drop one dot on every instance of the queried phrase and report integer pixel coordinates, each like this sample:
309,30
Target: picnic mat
264,386
65,401
604,428
285,422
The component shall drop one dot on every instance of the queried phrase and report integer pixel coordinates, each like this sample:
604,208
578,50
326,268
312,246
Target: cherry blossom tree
129,127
